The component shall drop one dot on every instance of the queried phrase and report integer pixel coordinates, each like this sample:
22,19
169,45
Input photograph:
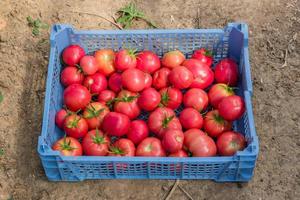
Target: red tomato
202,74
195,98
138,131
71,75
203,146
133,80
150,146
105,61
190,135
148,80
95,143
148,62
172,59
230,142
173,140
75,126
60,118
191,118
232,108
94,114
180,77
149,99
126,103
95,83
214,124
72,55
116,124
106,96
122,147
162,119
181,153
125,59
115,82
204,56
160,78
226,71
88,65
217,92
171,97
68,146
76,97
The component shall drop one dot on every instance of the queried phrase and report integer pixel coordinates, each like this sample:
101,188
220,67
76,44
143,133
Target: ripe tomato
88,65
217,92
191,118
68,146
95,83
71,75
226,71
133,80
232,108
173,140
190,135
162,119
126,103
94,114
116,124
214,124
202,74
181,153
180,77
230,142
138,131
160,78
195,98
172,59
72,55
115,82
203,56
148,62
106,96
122,147
149,99
60,117
203,146
171,97
76,97
75,126
148,80
150,146
125,59
95,143
105,60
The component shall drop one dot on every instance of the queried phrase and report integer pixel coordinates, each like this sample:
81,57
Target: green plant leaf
1,97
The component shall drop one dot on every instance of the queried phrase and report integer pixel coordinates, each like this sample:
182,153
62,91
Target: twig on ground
172,190
96,15
185,192
198,18
285,59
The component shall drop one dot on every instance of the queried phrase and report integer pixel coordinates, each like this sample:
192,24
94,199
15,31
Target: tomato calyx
165,98
148,148
92,112
166,121
228,89
178,139
218,118
208,53
79,68
98,139
116,150
73,123
66,145
126,98
132,52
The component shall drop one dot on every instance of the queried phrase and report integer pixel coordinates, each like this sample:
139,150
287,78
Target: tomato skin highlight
230,142
226,71
71,75
72,55
172,140
95,143
148,62
172,59
68,146
180,77
105,61
133,80
150,146
76,97
232,107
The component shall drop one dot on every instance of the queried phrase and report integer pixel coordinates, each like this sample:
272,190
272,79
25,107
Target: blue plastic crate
232,42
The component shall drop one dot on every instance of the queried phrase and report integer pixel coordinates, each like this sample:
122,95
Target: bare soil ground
274,31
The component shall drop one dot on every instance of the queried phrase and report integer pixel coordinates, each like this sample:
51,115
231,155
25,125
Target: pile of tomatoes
189,106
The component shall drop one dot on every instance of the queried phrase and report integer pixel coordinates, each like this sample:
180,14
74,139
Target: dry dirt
274,29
